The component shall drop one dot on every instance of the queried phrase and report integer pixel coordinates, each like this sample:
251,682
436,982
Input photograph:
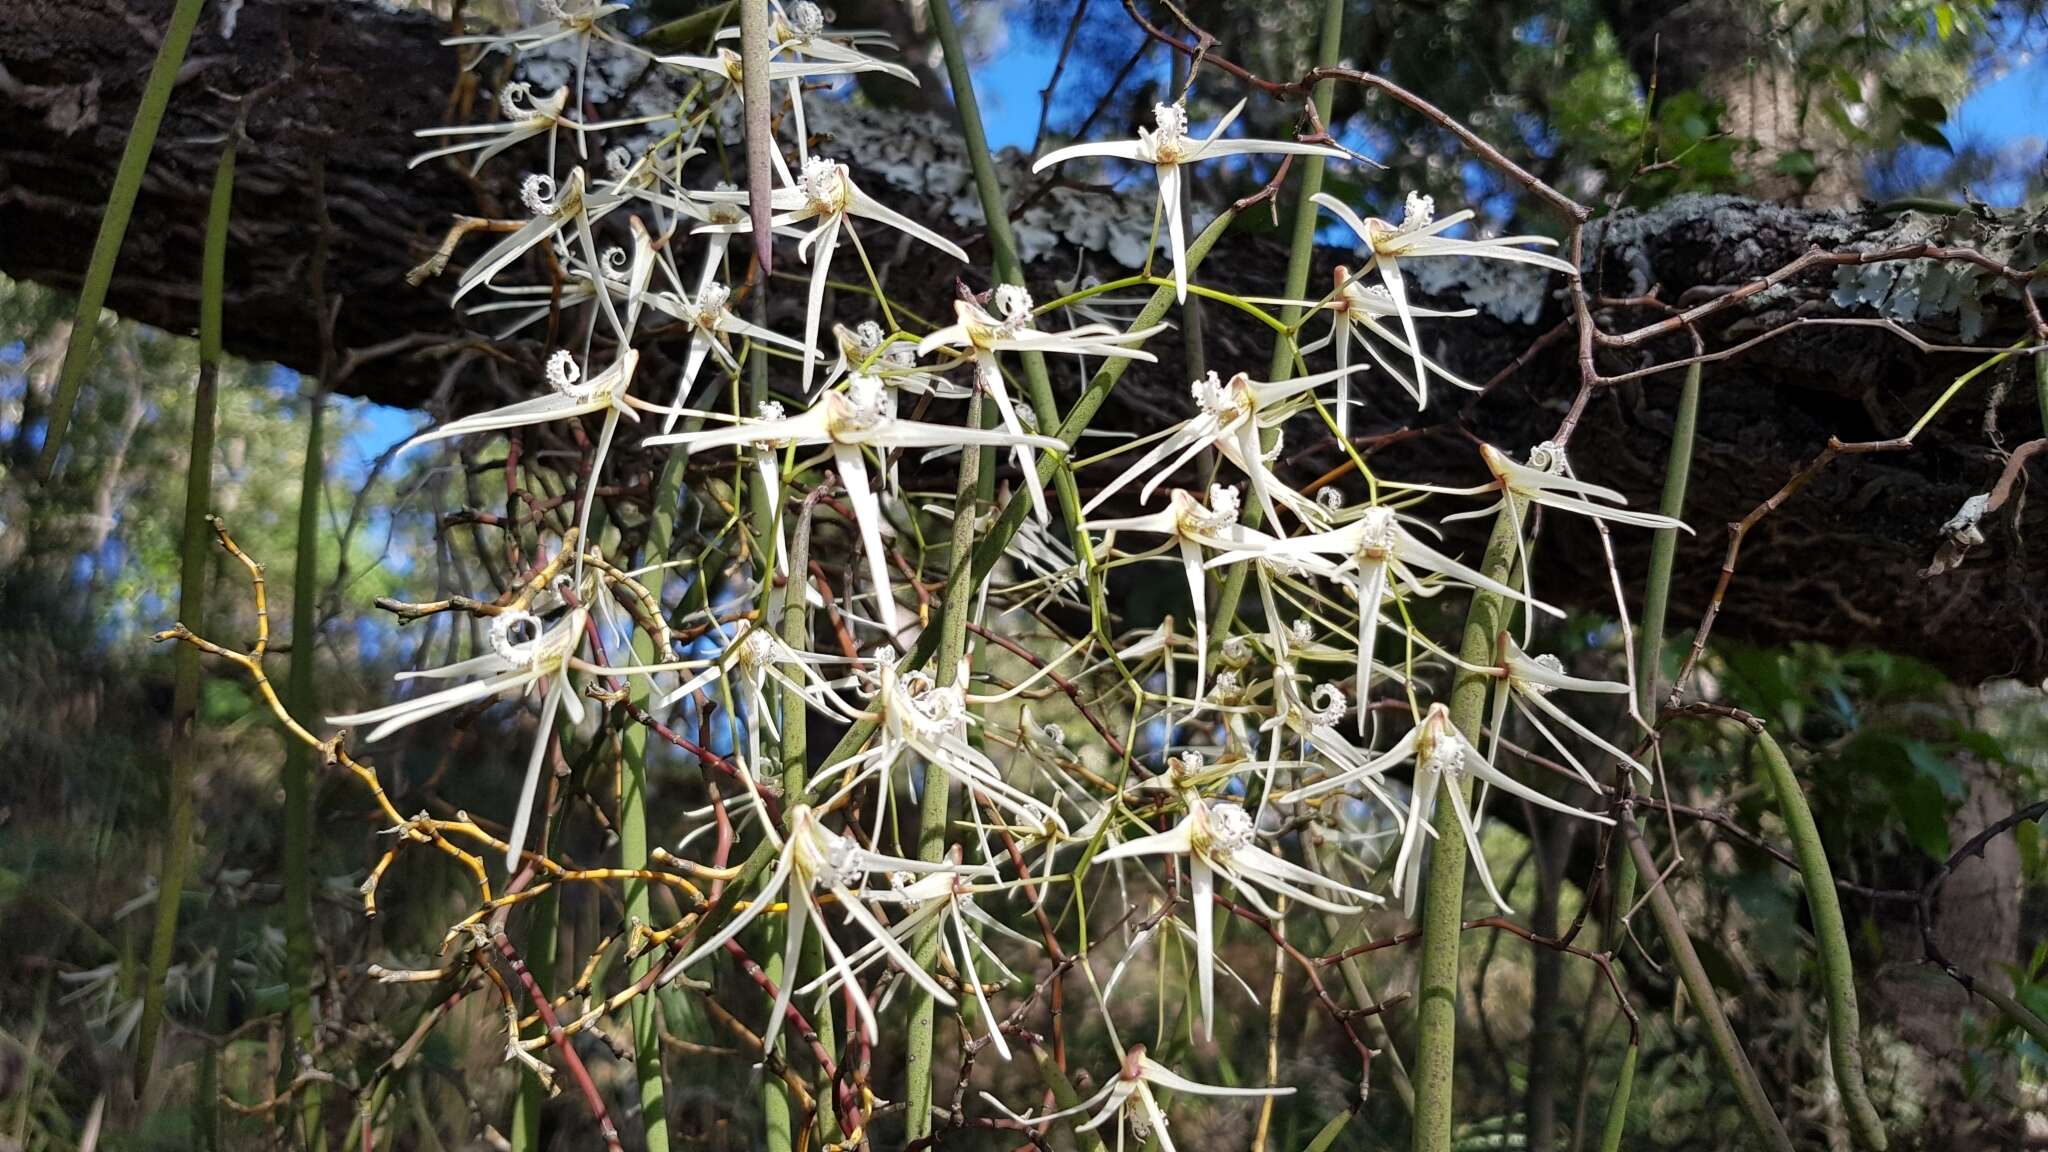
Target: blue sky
2006,113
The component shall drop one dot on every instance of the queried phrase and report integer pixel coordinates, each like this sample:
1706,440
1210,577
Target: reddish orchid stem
560,1041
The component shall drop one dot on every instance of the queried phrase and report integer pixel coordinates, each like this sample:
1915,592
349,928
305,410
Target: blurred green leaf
1798,164
1922,132
1927,108
1936,767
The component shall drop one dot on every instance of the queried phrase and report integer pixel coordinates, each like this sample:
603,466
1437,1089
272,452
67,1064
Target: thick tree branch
1840,562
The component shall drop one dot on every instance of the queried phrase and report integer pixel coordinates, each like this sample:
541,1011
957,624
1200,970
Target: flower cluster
1245,796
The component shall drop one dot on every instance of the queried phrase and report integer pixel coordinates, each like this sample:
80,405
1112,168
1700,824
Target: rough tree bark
1840,562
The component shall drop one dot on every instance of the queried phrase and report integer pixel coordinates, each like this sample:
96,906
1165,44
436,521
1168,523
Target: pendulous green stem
1443,903
938,791
1650,665
1300,254
635,794
1831,940
758,105
1302,246
194,564
776,1106
1617,1111
1664,542
1749,1091
106,247
299,695
1002,243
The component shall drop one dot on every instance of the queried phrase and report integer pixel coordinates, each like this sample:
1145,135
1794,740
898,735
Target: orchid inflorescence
1240,787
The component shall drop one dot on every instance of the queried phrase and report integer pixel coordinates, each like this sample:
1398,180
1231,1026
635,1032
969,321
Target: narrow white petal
863,205
522,818
1112,149
1176,228
757,905
1173,842
1473,847
853,473
1203,897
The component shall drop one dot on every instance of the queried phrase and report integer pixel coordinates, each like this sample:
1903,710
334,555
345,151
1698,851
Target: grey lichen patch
1945,293
1512,292
1727,240
1746,237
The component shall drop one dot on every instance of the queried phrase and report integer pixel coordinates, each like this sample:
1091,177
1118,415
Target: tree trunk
1840,562
1977,926
1723,50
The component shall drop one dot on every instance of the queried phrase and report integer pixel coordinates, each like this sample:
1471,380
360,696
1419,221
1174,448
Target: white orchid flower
1441,755
944,903
721,208
624,276
863,415
1375,555
1139,1075
565,18
523,653
1231,417
1530,681
1356,310
824,191
921,717
1219,838
814,858
580,20
573,396
866,348
758,655
712,327
1313,722
726,65
1167,146
799,29
571,207
1419,235
525,118
1546,480
1010,328
1191,527
983,335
